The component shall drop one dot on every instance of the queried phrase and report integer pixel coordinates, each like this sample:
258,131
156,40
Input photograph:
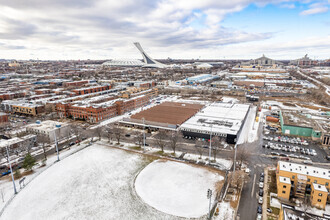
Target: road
327,88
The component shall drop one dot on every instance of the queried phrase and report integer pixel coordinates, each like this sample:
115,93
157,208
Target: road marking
254,181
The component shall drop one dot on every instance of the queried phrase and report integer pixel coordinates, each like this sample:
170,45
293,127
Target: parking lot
283,147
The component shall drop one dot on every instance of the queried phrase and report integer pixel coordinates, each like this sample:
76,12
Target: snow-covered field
94,183
176,188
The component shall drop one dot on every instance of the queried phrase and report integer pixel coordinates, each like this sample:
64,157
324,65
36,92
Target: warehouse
166,115
219,119
202,78
294,123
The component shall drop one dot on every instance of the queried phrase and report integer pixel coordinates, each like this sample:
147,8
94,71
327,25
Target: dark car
328,157
72,143
127,135
262,174
259,210
261,179
261,192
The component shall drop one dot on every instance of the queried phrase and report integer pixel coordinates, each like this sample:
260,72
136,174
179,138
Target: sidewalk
265,197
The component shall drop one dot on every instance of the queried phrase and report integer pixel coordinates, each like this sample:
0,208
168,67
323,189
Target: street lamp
58,156
11,170
209,196
210,147
144,136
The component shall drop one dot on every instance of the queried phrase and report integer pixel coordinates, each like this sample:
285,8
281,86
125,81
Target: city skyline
239,29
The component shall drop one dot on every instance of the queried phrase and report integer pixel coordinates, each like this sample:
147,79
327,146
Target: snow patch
176,188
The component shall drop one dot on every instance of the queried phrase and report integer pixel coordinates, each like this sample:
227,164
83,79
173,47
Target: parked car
5,173
261,179
259,217
261,192
261,185
269,210
260,200
262,174
259,209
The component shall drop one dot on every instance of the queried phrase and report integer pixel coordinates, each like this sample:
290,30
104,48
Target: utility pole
144,136
209,196
58,157
210,147
11,170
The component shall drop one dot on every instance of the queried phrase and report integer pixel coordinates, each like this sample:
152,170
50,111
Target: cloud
11,47
290,6
313,11
82,28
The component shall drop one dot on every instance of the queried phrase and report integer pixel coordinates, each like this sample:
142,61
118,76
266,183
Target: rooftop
304,169
225,118
319,187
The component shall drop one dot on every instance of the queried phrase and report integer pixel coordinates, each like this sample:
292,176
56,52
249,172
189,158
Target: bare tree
3,153
138,137
305,205
109,133
117,131
175,138
99,131
77,131
44,141
237,178
199,147
215,146
161,139
242,155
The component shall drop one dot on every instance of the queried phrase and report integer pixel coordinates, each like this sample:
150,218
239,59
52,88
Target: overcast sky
106,29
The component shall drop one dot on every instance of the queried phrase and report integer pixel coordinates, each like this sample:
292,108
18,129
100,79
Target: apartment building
134,92
300,180
48,129
91,89
95,112
75,83
27,141
28,109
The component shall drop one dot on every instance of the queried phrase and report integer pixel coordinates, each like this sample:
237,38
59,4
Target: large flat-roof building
168,115
222,119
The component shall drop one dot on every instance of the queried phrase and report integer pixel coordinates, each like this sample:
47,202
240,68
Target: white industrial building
221,119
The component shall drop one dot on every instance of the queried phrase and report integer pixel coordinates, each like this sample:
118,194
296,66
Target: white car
260,200
259,217
261,185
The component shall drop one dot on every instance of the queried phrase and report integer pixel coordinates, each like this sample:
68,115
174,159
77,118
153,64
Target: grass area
136,148
272,189
272,183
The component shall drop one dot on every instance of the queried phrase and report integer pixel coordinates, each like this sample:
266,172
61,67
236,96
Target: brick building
92,89
95,112
3,117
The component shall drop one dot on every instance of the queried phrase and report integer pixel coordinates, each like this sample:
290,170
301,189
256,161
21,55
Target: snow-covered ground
248,134
225,211
176,188
6,185
94,183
